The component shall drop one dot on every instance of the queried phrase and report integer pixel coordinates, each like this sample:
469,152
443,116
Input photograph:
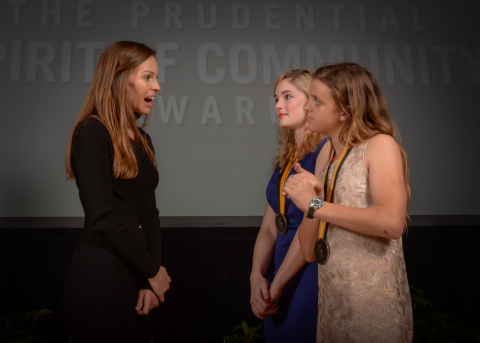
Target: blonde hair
357,93
301,79
107,102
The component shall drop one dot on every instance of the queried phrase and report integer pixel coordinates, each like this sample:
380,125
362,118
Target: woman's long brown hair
301,79
357,93
107,102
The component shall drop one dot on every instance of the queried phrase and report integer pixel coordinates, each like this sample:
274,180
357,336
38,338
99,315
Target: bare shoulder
381,148
382,139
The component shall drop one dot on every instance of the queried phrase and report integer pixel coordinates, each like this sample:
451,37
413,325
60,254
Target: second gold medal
280,219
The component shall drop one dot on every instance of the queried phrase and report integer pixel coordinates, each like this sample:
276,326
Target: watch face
316,202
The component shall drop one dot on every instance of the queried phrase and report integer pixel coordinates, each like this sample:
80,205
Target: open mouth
149,101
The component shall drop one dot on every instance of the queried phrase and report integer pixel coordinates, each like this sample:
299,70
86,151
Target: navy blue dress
297,320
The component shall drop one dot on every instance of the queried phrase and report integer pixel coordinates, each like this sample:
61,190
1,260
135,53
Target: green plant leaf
236,327
418,298
257,328
248,334
29,314
44,313
259,337
253,331
231,339
245,328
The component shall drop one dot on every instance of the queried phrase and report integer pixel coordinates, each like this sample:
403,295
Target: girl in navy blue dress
283,285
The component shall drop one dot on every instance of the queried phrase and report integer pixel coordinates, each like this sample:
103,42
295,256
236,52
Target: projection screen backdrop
214,125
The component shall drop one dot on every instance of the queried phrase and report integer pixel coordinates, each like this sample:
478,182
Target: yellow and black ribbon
280,219
343,157
322,248
281,182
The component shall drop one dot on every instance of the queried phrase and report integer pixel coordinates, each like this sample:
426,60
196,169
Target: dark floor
210,270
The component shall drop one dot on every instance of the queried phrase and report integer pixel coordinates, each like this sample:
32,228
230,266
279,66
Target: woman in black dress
115,277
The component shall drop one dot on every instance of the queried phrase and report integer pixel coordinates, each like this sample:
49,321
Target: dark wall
210,270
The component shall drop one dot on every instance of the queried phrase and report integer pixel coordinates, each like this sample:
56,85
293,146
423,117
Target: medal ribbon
343,157
281,182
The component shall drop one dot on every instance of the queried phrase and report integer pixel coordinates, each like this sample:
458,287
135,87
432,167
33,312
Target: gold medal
322,251
281,223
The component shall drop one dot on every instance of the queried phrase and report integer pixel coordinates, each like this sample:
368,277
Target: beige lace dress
363,288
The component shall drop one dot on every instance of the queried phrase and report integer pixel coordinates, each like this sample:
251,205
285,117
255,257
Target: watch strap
313,207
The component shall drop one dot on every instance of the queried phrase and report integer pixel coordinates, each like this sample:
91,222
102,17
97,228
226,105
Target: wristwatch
315,204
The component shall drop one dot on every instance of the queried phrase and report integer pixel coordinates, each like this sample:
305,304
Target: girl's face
142,86
323,115
290,106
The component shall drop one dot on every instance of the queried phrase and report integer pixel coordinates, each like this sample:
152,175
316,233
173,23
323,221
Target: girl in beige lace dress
363,287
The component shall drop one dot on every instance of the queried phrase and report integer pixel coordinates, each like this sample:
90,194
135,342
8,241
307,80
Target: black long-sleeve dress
114,256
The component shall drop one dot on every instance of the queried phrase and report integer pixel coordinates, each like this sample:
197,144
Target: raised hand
314,181
301,191
160,283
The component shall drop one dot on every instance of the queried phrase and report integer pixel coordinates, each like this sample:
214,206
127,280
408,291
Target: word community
34,61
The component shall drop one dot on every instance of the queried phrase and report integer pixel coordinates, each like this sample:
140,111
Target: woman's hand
147,301
312,179
259,295
160,283
275,293
301,189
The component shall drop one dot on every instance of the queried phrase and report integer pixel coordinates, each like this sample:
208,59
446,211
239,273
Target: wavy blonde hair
301,79
107,102
357,93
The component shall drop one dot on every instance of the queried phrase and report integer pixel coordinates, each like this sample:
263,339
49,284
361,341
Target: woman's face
323,115
290,106
142,86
